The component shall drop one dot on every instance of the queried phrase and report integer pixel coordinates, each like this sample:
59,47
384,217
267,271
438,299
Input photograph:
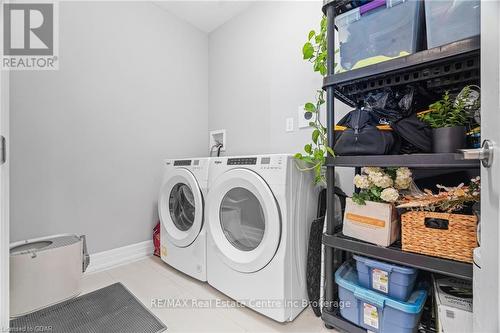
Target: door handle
484,154
3,150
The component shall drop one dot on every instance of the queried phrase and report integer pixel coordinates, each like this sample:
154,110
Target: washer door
180,207
244,220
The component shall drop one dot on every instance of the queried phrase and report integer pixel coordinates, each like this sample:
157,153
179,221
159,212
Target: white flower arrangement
362,181
389,195
370,170
380,179
381,184
403,178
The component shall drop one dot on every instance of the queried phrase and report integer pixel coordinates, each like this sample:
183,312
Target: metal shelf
334,319
396,255
428,161
454,64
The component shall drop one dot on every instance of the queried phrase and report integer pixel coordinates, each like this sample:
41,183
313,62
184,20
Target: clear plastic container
450,20
392,280
374,311
378,31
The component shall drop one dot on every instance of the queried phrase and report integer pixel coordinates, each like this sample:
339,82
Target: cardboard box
453,303
374,222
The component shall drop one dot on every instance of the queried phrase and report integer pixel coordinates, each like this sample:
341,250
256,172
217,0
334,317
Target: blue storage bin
393,280
374,311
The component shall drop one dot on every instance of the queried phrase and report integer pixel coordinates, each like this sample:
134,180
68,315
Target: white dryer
181,211
259,211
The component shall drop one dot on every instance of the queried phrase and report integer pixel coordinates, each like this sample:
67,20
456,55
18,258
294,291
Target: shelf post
330,171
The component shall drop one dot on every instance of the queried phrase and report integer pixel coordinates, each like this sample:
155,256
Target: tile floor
151,278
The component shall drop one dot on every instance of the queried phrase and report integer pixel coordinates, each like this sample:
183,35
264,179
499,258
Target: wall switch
289,124
304,117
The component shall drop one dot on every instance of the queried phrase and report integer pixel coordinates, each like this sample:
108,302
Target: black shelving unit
333,319
395,255
443,68
427,161
439,69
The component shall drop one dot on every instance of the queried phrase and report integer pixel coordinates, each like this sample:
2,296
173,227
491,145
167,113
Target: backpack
360,133
415,135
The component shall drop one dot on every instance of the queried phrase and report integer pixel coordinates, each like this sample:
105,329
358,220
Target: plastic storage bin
451,20
393,280
374,311
378,31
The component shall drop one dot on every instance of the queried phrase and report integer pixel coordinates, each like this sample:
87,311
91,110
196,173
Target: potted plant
370,214
448,118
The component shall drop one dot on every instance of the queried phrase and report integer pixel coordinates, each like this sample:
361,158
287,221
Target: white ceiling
205,15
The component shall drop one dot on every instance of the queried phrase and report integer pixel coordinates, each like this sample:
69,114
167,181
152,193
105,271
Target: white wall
257,78
87,140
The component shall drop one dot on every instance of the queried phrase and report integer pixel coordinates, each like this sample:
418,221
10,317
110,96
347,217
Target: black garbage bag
391,104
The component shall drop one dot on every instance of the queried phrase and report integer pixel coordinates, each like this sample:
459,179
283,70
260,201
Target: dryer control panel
271,162
265,162
242,161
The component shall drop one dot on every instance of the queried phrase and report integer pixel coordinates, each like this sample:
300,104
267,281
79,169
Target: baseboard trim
120,256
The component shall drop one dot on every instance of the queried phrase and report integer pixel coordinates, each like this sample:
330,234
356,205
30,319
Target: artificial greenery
371,194
315,52
447,112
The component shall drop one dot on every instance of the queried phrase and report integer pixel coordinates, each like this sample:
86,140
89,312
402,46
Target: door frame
4,202
488,292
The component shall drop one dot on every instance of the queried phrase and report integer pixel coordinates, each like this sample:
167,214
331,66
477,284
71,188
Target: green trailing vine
315,152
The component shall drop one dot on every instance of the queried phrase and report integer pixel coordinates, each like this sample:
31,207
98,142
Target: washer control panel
192,164
182,162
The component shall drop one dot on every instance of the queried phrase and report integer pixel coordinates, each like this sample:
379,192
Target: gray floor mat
110,309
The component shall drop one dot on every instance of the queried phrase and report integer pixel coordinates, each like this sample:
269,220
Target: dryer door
180,207
244,220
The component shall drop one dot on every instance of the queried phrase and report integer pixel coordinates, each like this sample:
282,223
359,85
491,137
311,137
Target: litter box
45,271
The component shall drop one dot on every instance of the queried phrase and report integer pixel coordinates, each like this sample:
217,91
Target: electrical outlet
304,117
289,124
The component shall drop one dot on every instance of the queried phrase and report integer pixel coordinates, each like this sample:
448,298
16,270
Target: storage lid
347,277
385,266
42,244
356,13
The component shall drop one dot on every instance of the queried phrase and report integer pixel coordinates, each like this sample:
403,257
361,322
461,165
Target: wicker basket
445,235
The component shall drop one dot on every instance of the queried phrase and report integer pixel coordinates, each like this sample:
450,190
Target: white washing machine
181,211
259,211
